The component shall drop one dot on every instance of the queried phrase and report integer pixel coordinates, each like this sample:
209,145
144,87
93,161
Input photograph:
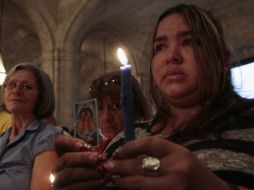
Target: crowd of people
201,136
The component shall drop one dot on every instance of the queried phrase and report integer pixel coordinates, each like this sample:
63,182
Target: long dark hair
218,98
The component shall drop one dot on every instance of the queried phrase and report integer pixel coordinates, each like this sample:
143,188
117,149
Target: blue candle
126,96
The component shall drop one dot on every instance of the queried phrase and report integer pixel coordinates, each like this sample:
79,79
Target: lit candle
126,96
51,179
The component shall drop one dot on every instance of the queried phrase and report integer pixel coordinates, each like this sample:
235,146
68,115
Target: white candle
126,96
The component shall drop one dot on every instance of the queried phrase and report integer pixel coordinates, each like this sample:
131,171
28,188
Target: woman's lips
15,100
174,75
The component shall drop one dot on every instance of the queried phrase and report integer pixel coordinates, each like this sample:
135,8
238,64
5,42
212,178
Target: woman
203,130
27,149
107,90
210,132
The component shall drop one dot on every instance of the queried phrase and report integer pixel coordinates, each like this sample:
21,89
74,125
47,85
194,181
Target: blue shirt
17,157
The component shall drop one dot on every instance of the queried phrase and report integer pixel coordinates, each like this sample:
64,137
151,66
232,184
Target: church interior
75,41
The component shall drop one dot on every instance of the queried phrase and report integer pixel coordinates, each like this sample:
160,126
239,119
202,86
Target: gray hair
46,99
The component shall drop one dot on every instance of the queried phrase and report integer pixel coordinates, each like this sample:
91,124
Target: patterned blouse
230,156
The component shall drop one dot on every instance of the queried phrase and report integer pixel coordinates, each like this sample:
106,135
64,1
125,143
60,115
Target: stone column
67,88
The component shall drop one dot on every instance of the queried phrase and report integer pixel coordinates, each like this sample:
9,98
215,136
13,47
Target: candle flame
121,56
51,178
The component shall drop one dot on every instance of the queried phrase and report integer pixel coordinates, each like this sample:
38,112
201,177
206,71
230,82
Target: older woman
107,90
27,153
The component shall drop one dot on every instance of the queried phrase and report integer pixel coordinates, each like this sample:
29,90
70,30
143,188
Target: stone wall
73,40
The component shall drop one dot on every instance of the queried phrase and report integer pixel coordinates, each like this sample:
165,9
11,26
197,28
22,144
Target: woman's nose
173,55
105,115
17,89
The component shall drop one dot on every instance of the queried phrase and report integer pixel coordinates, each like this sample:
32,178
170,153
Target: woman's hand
75,169
179,169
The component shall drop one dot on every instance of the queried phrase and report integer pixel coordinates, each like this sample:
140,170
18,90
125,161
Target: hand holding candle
126,96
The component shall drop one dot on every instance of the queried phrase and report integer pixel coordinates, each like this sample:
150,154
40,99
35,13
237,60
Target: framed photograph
86,121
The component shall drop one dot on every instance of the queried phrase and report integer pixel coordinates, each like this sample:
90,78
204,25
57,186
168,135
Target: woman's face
110,117
21,93
174,68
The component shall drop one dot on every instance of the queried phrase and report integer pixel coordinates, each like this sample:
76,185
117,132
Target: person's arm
43,166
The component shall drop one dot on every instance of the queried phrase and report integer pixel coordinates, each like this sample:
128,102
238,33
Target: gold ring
151,163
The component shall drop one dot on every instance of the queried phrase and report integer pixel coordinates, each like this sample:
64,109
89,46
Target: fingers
91,185
133,166
124,167
76,159
70,176
147,145
128,159
146,183
66,143
87,185
77,170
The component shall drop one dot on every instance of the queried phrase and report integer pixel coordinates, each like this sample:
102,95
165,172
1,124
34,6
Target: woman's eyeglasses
25,87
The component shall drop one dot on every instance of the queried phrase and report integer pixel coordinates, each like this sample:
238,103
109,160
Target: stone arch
44,27
70,36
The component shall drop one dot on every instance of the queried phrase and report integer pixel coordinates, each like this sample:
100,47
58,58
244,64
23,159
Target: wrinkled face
21,93
110,117
174,68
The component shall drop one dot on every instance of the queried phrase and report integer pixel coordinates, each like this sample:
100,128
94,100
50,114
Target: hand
66,143
179,169
76,170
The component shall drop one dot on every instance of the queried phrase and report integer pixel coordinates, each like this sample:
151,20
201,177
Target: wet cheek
156,75
156,66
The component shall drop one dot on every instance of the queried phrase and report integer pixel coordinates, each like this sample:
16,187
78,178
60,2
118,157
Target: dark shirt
229,154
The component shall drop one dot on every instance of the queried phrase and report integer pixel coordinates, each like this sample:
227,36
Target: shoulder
243,120
231,155
44,137
239,127
46,129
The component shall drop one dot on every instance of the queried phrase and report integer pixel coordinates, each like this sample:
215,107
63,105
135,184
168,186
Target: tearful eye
159,47
187,42
10,85
27,87
115,106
